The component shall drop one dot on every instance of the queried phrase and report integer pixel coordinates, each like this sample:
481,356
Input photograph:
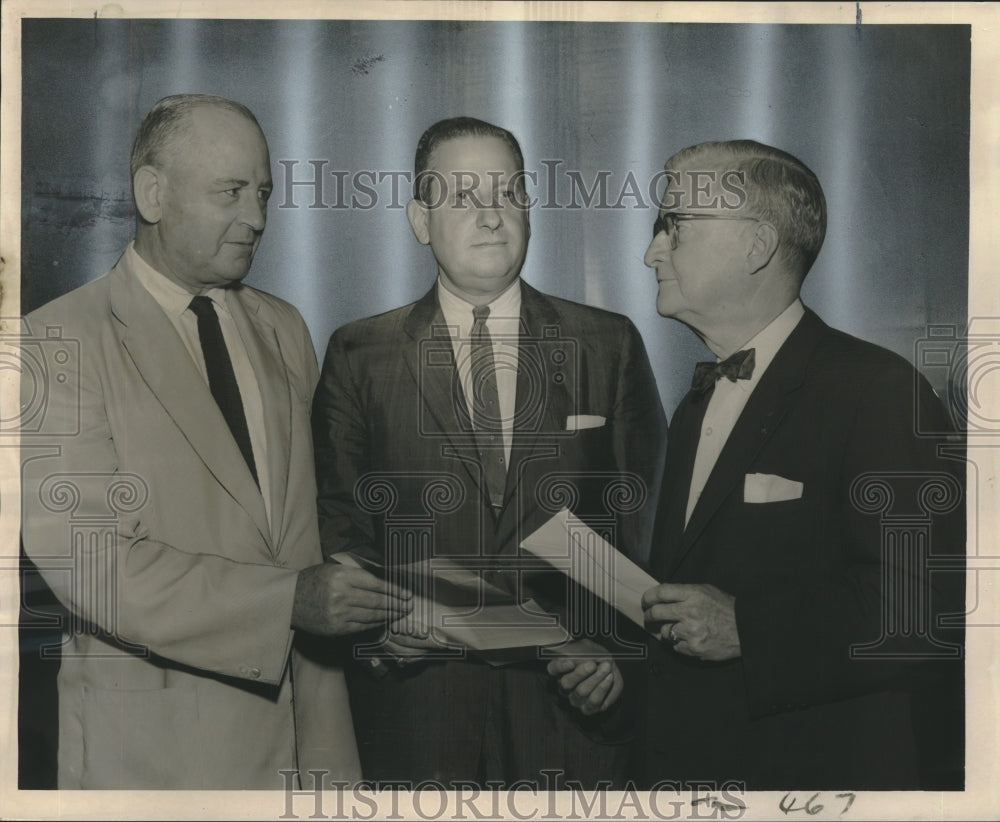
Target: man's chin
478,284
665,306
495,283
233,276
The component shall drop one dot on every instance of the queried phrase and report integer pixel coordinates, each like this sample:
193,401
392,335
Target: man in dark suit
169,493
800,516
459,424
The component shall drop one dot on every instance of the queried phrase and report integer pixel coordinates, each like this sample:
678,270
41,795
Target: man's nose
254,212
489,216
657,250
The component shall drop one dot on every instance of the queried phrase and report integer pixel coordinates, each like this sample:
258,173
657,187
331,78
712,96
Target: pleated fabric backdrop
880,113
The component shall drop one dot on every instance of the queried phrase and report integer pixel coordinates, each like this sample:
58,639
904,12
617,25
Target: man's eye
264,194
232,192
461,198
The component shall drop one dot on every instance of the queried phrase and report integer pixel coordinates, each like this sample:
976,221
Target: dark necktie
486,407
222,378
737,367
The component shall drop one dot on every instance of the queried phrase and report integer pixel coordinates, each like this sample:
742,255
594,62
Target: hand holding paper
698,620
570,545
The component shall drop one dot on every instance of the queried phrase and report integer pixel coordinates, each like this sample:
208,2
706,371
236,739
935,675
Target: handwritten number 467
790,803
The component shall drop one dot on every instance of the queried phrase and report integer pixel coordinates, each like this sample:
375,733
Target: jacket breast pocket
591,442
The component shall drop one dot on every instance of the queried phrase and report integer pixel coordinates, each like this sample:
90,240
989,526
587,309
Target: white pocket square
577,422
770,488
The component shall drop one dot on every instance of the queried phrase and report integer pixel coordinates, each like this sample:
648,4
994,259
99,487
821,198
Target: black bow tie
737,367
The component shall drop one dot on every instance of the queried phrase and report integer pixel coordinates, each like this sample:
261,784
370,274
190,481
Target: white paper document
571,546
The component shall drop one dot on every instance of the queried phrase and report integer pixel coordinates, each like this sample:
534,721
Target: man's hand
697,620
333,600
410,641
587,675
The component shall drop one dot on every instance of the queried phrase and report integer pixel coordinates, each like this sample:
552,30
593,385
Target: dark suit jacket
810,576
395,456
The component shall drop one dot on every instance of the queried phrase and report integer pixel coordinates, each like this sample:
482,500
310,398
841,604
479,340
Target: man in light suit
458,431
181,422
799,637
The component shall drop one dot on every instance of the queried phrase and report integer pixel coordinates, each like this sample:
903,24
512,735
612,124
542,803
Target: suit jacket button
255,673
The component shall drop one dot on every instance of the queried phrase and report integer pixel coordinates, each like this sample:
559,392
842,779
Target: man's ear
764,245
148,190
417,213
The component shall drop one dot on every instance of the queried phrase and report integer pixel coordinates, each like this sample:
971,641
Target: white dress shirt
175,302
729,399
504,325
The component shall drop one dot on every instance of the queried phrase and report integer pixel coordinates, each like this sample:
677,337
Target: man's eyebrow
233,182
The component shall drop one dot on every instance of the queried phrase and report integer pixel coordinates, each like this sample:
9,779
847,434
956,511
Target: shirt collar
458,312
172,298
769,340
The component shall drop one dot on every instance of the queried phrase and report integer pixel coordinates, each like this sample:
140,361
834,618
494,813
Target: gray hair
780,189
167,119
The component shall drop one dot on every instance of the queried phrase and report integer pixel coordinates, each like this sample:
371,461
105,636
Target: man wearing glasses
796,644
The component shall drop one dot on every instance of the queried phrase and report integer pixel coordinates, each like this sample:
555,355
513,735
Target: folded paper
571,546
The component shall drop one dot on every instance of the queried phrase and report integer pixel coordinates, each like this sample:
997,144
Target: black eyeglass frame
667,221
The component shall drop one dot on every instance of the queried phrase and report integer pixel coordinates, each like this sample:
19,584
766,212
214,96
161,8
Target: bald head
168,121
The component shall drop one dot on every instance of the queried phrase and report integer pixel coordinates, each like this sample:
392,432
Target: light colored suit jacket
145,521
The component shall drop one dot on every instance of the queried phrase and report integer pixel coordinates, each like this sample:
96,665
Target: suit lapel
430,357
767,406
253,321
684,433
166,366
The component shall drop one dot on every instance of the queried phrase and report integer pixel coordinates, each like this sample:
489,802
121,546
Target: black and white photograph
449,410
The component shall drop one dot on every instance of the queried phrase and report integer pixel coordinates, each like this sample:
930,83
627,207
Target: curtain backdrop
880,113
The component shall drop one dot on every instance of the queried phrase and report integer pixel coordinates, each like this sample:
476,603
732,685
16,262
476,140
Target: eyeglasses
668,221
